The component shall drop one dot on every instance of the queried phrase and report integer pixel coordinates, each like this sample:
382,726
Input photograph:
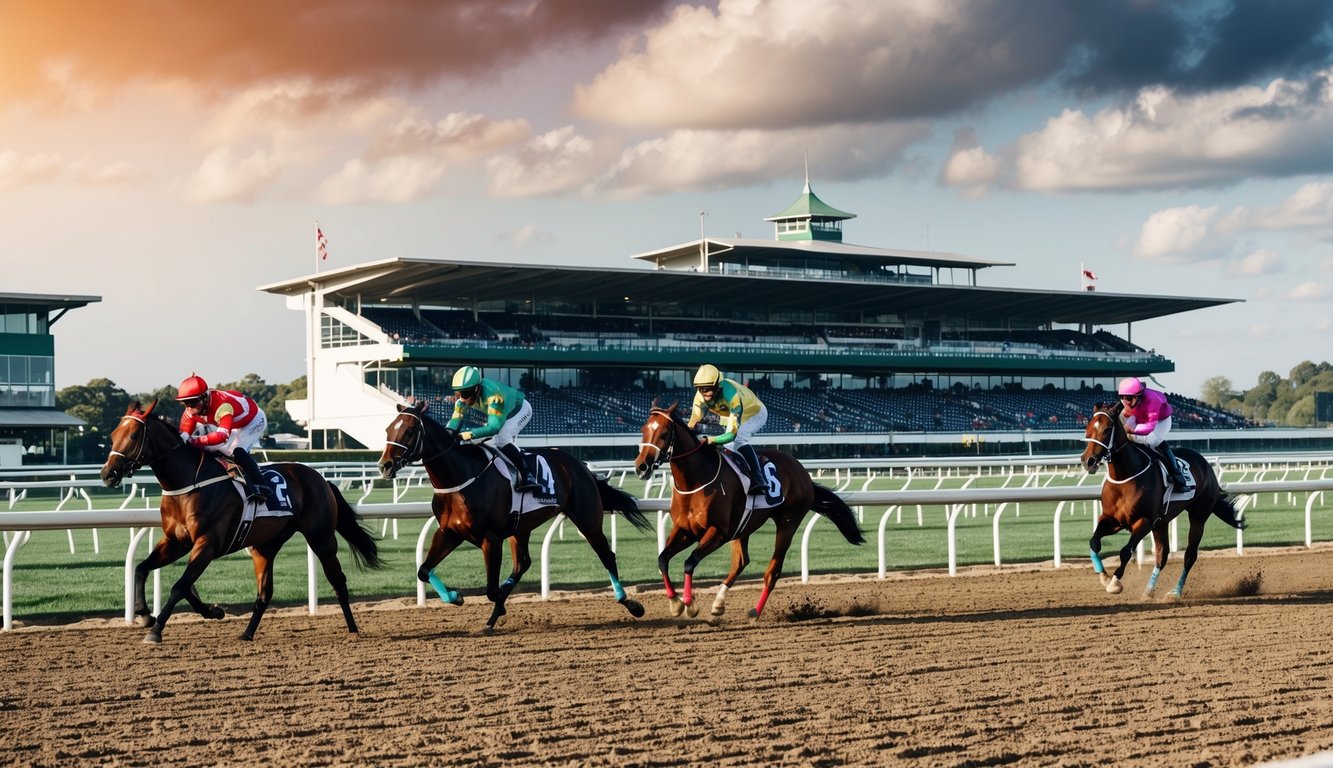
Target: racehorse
1137,497
474,502
202,516
710,505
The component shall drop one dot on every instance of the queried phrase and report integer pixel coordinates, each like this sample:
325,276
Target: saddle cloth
540,498
279,504
772,495
1172,494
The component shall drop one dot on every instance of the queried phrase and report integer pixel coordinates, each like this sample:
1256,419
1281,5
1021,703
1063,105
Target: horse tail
365,551
1225,509
831,505
616,500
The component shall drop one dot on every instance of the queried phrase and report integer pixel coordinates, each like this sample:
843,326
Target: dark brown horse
1137,497
202,517
473,501
710,506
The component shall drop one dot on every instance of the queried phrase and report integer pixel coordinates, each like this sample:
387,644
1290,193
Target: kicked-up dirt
1022,666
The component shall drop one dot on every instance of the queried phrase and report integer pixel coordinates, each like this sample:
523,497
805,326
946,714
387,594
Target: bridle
415,452
138,460
668,454
1110,448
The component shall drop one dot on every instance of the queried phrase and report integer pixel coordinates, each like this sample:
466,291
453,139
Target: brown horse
709,505
474,500
1137,497
202,517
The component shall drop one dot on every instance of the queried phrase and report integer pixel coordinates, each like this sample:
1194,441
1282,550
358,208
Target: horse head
133,445
659,439
1104,436
407,438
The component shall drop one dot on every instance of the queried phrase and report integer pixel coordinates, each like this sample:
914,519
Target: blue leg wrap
1097,563
1152,580
446,594
620,591
509,583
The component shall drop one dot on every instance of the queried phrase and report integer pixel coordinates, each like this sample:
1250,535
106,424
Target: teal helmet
466,378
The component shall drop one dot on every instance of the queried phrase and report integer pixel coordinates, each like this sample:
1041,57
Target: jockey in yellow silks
741,414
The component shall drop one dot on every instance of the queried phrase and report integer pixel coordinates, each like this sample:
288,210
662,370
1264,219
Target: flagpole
317,231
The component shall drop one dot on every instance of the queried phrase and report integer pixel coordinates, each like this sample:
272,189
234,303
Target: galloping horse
202,516
474,500
709,505
1137,497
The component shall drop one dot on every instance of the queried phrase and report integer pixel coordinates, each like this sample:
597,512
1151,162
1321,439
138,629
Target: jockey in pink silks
1147,419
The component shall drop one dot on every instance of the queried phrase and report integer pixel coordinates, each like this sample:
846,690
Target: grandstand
853,348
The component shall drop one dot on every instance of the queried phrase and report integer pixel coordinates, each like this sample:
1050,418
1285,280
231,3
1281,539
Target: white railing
955,501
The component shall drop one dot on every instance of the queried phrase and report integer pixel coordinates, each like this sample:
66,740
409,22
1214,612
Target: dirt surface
993,667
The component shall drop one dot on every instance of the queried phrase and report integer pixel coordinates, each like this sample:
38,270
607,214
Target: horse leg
676,542
521,558
708,543
1161,547
165,552
1106,525
781,543
490,552
740,557
201,555
444,542
1137,530
597,540
1197,519
262,556
325,548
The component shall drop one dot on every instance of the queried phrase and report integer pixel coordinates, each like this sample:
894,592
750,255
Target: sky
172,157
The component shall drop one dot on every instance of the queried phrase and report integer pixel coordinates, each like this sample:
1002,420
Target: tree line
101,403
1273,400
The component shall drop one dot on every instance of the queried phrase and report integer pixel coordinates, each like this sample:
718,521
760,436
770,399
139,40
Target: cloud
115,174
18,171
398,179
1308,291
555,162
1256,263
1308,208
1179,234
696,160
223,177
969,168
224,47
1166,139
459,135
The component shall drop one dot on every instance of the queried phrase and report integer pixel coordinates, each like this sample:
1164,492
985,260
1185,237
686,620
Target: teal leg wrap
620,591
509,583
1097,563
1180,585
1152,580
446,594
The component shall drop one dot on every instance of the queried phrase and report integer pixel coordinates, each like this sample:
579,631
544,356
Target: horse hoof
215,612
1105,579
488,630
458,600
634,607
1114,587
246,636
718,610
144,621
692,609
1174,595
754,613
676,607
152,638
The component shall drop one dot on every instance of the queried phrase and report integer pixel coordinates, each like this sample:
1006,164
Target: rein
669,454
419,448
138,461
1110,450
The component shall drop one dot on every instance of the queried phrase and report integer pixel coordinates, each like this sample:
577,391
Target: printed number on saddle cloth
772,483
278,483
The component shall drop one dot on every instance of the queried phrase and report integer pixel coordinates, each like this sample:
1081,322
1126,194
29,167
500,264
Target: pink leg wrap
763,598
670,590
689,589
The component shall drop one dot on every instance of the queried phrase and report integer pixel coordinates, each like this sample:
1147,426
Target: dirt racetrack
1016,666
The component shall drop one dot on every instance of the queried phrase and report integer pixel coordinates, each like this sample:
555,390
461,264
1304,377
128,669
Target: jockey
507,413
742,415
240,424
1147,419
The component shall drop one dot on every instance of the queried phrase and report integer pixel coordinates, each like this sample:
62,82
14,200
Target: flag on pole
1088,274
322,244
1087,277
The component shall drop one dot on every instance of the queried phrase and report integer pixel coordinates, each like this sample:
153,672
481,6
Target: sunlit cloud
1179,234
21,170
556,162
970,169
398,179
225,177
1256,263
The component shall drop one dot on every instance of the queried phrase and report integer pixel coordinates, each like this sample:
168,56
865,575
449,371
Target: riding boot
526,481
757,482
1178,478
255,487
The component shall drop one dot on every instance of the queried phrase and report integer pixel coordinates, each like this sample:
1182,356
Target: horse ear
672,408
654,406
150,408
132,408
400,407
422,406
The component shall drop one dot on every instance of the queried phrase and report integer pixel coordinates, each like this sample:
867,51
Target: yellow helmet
708,376
466,377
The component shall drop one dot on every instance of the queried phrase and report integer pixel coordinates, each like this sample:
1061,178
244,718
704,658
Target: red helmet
192,388
1130,387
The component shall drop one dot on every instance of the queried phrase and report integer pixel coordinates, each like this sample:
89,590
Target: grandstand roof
430,282
49,300
739,249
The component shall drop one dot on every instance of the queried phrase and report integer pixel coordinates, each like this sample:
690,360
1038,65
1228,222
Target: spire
809,218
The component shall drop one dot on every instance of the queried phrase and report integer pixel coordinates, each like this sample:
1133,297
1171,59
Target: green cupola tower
809,218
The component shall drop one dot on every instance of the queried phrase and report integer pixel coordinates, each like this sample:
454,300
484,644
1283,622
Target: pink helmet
1130,386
